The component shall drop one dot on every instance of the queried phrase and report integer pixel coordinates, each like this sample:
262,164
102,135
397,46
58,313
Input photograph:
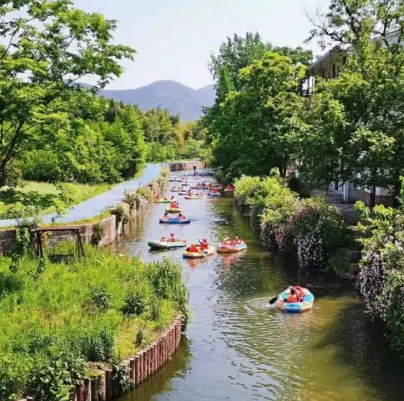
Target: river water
238,349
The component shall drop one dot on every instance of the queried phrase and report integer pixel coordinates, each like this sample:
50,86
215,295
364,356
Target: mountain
209,92
171,95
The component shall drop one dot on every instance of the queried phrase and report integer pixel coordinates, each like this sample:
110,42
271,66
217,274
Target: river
237,349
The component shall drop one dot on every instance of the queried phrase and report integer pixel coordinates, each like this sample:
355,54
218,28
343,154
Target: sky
174,38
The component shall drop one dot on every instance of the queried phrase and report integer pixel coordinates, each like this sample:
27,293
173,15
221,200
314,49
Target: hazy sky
174,38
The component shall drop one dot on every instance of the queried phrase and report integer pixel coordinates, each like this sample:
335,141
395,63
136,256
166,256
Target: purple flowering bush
318,229
311,228
381,276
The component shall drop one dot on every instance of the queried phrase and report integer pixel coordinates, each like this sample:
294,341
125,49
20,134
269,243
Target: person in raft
299,292
166,217
237,240
173,205
163,239
182,216
293,296
204,244
157,198
172,199
173,238
227,241
193,248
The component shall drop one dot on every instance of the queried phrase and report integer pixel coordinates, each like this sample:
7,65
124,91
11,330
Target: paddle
273,300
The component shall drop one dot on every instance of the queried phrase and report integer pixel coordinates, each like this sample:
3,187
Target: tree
43,54
236,53
259,125
370,91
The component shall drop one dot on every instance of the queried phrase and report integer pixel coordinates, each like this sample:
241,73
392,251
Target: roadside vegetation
39,198
56,130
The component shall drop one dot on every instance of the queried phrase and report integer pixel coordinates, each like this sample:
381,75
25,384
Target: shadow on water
243,351
354,341
164,380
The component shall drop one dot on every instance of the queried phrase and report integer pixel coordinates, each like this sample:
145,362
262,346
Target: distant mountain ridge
171,95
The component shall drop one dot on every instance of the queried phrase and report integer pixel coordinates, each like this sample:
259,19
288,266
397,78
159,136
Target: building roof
329,53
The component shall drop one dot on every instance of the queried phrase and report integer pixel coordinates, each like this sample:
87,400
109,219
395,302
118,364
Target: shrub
55,377
120,377
120,213
145,192
55,322
98,232
381,275
318,229
131,198
311,228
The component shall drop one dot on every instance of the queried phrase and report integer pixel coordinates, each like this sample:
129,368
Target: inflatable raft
173,210
161,245
232,248
296,307
175,220
176,189
200,187
200,254
189,197
165,201
214,194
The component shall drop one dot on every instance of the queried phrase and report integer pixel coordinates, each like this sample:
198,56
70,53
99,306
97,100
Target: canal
237,349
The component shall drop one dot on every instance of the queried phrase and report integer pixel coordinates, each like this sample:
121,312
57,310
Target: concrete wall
111,229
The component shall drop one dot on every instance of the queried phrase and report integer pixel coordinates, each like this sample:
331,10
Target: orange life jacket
292,299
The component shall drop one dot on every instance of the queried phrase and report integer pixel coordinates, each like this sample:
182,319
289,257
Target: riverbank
83,319
105,380
105,227
43,197
238,348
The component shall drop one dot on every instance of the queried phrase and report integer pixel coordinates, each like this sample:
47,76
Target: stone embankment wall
101,387
111,228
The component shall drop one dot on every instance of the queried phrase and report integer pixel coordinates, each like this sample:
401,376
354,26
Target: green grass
97,309
43,197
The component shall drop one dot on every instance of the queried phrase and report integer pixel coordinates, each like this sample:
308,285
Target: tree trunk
372,197
397,194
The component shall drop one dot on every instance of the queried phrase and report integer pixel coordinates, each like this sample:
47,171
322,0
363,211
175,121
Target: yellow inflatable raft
200,254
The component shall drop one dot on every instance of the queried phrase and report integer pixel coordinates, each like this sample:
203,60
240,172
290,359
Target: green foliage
381,278
50,328
55,378
145,192
98,232
257,127
120,213
52,45
311,228
269,202
120,377
357,120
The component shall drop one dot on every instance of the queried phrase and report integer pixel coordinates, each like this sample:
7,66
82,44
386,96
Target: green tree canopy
259,125
47,47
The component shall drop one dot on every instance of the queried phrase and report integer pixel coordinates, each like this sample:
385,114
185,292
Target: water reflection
240,349
164,381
